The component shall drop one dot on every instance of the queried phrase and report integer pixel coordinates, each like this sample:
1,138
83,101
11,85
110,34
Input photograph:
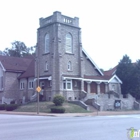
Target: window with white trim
31,84
22,86
69,67
68,43
46,43
67,84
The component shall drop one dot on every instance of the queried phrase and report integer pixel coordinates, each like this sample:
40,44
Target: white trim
49,78
64,78
2,66
66,82
92,61
82,79
94,80
115,76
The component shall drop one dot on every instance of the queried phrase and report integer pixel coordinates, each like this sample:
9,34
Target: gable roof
111,71
15,64
30,72
115,77
92,61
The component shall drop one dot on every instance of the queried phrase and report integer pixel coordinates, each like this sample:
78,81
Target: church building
62,66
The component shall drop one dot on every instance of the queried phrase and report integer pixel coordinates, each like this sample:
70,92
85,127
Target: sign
117,104
38,89
133,133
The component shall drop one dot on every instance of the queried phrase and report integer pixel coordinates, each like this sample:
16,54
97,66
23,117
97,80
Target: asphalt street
20,127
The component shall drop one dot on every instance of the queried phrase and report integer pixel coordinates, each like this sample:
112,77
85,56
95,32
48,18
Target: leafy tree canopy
124,72
18,49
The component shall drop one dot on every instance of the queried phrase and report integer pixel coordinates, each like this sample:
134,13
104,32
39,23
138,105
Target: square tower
59,55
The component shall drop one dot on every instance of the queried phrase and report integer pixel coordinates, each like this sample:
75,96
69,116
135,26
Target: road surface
18,127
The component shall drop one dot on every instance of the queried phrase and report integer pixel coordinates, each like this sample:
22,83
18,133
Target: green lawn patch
44,107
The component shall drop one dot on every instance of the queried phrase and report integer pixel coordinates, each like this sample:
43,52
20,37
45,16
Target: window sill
67,89
69,53
70,70
46,53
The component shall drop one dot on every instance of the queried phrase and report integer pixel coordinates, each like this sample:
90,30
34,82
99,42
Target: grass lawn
45,107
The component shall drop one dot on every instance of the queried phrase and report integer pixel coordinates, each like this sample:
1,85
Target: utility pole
38,88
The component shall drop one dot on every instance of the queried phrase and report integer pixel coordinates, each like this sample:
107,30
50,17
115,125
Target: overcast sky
110,28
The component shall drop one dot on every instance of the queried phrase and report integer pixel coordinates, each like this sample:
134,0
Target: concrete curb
101,113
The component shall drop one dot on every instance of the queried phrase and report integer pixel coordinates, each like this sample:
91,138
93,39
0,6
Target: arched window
69,65
46,43
68,43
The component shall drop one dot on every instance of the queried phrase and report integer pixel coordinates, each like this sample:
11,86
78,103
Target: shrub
2,106
58,100
57,109
10,107
12,102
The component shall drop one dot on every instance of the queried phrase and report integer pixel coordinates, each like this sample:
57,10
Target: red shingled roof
30,72
110,72
15,63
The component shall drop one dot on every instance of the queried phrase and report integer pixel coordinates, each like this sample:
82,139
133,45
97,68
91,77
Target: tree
136,79
124,72
19,49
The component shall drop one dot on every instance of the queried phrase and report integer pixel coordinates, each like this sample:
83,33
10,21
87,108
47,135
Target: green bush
57,109
12,102
58,100
10,107
2,106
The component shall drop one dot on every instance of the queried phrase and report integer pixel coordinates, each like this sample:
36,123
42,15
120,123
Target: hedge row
57,109
8,107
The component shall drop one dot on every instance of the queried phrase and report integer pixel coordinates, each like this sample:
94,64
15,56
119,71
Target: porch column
82,85
106,87
98,87
88,87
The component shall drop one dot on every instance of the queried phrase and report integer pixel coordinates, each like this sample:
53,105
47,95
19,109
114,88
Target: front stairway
106,101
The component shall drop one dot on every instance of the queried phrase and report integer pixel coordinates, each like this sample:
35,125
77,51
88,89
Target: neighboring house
13,81
63,67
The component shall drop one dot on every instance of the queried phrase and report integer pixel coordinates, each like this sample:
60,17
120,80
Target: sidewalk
101,113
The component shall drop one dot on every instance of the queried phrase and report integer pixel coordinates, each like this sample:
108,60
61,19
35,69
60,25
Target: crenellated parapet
57,17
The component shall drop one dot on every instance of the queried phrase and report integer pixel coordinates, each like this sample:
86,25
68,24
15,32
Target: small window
46,66
67,84
47,43
69,66
30,84
68,43
22,85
